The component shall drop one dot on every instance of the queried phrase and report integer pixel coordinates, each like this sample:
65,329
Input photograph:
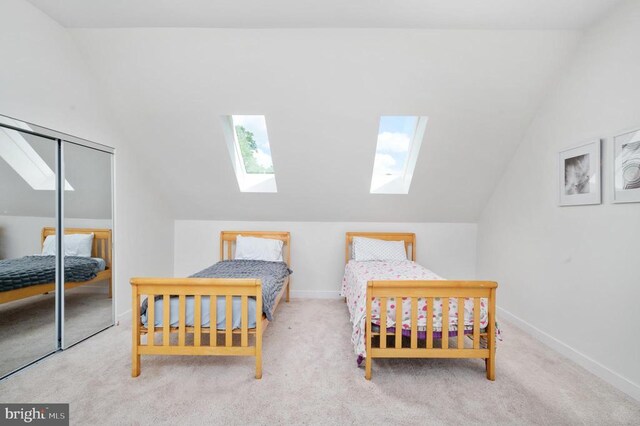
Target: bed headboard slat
408,238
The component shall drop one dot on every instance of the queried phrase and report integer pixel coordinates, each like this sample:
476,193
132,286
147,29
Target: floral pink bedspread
354,288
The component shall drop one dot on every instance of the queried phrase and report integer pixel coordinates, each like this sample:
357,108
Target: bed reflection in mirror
27,205
88,242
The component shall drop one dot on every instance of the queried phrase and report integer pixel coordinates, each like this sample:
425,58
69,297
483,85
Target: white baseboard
123,317
314,294
627,386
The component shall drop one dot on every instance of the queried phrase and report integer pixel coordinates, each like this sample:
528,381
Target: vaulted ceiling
322,92
458,14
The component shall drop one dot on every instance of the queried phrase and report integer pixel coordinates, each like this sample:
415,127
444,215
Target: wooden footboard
196,287
409,347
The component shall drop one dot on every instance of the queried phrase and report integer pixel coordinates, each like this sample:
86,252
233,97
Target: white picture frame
580,174
626,167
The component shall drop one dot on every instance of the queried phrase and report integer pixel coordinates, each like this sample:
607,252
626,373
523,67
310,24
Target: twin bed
396,307
241,295
33,275
373,290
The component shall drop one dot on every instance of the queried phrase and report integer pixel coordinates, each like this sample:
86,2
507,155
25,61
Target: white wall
44,80
317,249
571,275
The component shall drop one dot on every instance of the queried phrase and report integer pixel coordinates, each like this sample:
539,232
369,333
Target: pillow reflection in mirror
74,245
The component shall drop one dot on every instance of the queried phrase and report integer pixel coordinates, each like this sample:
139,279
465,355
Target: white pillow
74,245
49,246
251,248
365,249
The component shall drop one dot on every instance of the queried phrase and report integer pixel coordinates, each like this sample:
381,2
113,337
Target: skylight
250,152
22,158
399,141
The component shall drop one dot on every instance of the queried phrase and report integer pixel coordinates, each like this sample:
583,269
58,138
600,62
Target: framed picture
580,175
626,157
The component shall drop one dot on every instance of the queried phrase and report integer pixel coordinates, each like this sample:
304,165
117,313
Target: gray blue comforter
272,275
31,270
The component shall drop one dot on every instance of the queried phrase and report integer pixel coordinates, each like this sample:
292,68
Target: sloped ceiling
322,91
458,14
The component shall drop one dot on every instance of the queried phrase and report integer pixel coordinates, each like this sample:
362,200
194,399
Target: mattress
272,275
32,270
354,288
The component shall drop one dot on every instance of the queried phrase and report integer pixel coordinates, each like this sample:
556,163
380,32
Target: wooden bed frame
198,287
408,347
101,248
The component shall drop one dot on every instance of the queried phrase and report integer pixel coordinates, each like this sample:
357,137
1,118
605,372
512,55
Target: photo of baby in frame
579,175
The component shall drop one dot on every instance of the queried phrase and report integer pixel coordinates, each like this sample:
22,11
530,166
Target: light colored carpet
27,326
310,377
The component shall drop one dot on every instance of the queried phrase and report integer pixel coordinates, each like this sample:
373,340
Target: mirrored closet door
88,242
27,272
52,184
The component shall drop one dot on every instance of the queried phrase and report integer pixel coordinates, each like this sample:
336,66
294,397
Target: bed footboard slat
213,320
166,322
197,320
429,322
476,323
244,338
151,320
460,331
383,322
414,322
228,329
399,308
182,332
445,322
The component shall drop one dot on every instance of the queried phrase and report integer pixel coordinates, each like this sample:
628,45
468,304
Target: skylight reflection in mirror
24,160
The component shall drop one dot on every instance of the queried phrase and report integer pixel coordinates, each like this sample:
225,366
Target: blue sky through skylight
395,135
